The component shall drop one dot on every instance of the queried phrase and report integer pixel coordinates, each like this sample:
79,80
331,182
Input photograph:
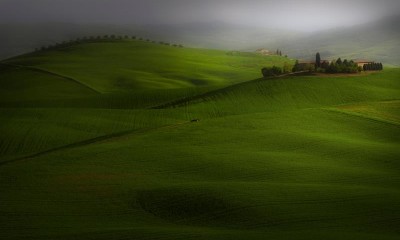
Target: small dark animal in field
195,120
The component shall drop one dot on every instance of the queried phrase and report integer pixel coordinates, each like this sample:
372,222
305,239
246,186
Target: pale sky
303,15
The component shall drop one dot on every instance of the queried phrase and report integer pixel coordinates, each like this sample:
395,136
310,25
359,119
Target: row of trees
340,66
345,66
335,66
99,39
373,67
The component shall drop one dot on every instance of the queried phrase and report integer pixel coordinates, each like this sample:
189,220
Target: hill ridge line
180,102
363,116
92,141
45,71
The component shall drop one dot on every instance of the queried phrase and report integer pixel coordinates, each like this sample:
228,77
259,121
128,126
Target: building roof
362,61
306,61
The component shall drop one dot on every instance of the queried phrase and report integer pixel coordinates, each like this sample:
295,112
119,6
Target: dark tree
339,61
271,71
318,60
332,68
296,66
325,65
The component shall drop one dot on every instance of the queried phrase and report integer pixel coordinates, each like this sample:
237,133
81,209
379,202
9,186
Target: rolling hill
86,155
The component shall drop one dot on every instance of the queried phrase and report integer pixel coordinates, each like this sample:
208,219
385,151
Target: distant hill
379,41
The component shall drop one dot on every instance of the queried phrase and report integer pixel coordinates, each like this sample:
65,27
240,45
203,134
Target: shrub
271,71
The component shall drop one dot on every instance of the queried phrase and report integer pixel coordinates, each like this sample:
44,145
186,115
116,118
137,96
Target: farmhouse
263,51
362,62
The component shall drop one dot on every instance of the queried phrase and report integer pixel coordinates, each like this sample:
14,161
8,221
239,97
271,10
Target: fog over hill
379,40
299,28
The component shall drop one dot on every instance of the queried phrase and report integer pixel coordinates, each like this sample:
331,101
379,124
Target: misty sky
306,15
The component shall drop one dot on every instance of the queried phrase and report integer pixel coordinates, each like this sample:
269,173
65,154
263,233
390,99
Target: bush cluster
271,71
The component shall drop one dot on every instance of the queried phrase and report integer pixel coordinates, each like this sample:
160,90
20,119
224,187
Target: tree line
373,67
335,66
101,38
339,66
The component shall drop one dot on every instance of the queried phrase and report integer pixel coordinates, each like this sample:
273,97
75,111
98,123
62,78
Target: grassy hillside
301,157
135,65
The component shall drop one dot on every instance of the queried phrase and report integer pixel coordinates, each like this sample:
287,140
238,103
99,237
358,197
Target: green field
97,143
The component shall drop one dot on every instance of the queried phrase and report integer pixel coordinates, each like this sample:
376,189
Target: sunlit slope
292,173
293,93
131,65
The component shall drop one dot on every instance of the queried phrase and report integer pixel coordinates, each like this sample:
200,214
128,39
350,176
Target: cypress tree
318,60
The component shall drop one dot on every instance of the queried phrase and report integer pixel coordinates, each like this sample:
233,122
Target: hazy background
356,28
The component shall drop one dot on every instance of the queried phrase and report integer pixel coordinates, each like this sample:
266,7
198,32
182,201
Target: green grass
135,65
305,157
